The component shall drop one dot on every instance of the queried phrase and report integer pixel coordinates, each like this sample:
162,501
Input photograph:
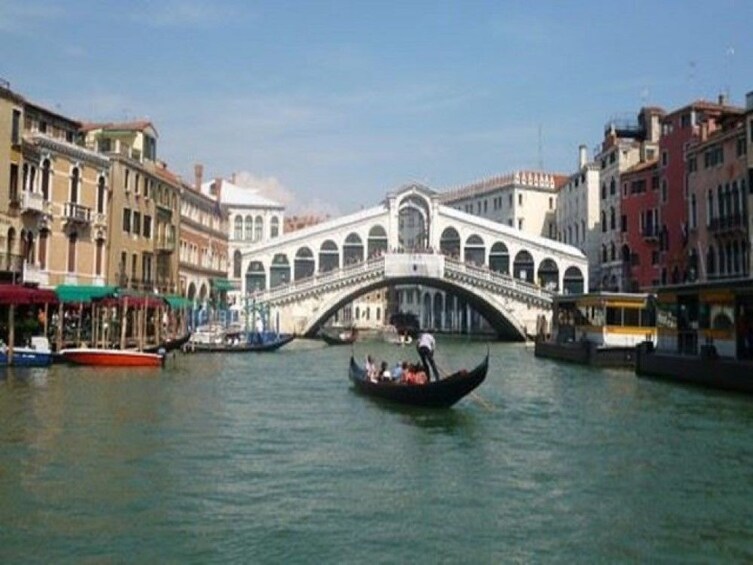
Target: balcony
166,245
34,274
99,220
77,214
732,224
34,203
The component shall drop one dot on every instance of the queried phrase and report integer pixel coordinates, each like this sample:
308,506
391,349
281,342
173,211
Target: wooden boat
436,394
111,357
169,344
343,337
242,346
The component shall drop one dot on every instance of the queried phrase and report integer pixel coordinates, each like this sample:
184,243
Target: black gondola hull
436,394
192,347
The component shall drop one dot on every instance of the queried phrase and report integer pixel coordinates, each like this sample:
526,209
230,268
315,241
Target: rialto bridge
507,276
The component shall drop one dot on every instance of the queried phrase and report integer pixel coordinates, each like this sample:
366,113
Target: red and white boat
111,357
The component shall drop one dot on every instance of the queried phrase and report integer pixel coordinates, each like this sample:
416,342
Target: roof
233,195
138,125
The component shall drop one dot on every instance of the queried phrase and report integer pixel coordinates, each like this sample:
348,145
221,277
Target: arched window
258,228
75,180
46,179
238,228
237,264
249,234
612,218
101,195
274,227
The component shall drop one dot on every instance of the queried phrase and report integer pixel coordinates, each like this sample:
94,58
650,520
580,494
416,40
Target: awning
83,293
222,285
16,294
177,302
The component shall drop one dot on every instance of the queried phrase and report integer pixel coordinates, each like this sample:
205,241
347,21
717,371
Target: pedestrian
426,346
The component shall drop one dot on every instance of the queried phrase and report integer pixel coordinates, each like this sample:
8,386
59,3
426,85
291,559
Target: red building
640,225
679,129
718,245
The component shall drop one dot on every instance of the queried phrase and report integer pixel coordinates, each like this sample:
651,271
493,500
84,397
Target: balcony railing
34,202
77,213
727,224
165,245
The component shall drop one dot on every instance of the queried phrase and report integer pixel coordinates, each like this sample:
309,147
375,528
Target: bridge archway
413,223
329,256
303,264
279,271
549,275
352,249
474,251
449,242
256,276
573,281
523,267
377,242
502,322
499,258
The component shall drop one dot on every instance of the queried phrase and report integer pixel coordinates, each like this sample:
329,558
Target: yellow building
145,207
61,203
11,123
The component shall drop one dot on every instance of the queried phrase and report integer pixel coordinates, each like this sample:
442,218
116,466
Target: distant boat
269,342
342,337
436,394
111,357
390,334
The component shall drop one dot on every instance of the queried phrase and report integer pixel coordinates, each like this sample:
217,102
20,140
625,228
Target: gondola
240,347
169,344
345,337
436,394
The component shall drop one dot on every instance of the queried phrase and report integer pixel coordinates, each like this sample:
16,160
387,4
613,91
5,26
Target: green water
274,459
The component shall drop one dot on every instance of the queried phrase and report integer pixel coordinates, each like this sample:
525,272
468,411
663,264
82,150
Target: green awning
222,284
178,302
83,293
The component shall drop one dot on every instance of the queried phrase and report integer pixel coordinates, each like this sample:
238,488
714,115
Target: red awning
16,294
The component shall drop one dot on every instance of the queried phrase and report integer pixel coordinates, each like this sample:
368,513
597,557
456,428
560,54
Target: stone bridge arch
494,310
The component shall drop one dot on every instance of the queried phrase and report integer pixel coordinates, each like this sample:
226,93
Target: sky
327,106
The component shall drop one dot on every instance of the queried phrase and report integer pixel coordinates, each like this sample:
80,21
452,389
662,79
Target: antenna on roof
691,78
728,68
541,150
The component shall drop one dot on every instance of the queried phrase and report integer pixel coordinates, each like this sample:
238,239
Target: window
136,223
46,179
101,191
274,227
127,220
612,219
15,133
75,180
520,224
612,186
105,145
258,228
72,252
238,228
551,203
147,226
134,265
623,223
127,180
603,191
146,266
664,191
136,182
13,181
249,229
664,158
520,199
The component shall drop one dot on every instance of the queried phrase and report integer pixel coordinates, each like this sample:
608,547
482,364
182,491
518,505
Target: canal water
272,458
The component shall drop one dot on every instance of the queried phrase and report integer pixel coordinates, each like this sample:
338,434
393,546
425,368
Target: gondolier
425,346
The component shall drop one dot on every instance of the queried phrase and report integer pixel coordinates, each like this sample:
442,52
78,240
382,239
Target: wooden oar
485,404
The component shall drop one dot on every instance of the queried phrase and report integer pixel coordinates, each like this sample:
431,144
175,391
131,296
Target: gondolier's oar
485,404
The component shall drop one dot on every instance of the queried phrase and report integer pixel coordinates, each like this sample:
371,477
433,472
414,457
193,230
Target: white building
524,200
626,143
578,212
252,219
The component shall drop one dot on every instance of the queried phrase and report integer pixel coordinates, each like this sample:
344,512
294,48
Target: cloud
272,188
183,13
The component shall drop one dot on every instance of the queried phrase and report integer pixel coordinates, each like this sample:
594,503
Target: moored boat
269,342
333,336
37,354
111,357
600,329
436,394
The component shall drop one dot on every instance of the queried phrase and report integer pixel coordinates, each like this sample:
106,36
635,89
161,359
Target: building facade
144,217
524,200
577,211
718,213
203,250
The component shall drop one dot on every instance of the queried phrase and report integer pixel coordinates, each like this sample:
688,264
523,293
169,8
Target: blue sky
329,105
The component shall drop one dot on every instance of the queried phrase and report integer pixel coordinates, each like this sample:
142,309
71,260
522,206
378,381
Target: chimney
198,173
722,99
582,156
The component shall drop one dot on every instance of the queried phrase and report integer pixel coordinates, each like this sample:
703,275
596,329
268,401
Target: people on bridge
425,347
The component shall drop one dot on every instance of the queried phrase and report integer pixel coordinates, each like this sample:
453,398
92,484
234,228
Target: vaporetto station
461,262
